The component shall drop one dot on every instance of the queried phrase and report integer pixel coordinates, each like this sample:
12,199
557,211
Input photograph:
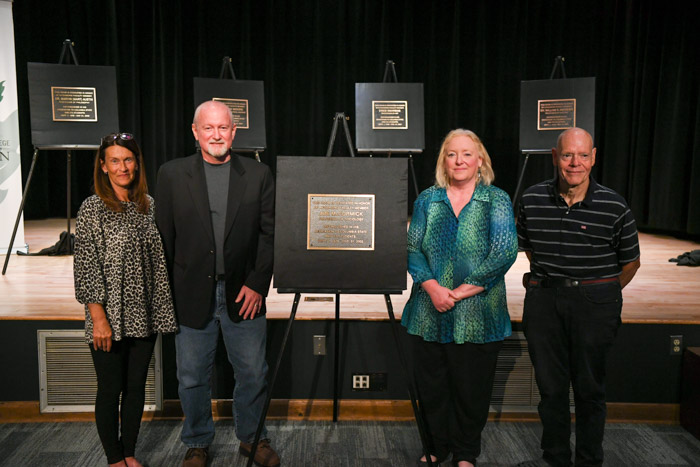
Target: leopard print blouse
119,263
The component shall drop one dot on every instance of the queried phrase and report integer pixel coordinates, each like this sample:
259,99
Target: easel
66,249
226,65
558,63
340,117
389,68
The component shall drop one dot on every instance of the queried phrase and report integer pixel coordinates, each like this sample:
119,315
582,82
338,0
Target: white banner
10,167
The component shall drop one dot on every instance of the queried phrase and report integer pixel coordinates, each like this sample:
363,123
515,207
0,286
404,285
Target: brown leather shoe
196,457
265,456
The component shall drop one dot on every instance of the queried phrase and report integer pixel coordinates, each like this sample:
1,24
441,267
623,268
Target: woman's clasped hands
444,299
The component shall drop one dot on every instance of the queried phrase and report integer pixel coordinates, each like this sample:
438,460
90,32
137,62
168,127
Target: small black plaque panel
358,199
71,105
389,117
550,106
246,99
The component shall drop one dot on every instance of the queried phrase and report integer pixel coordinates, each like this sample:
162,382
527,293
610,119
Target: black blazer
184,221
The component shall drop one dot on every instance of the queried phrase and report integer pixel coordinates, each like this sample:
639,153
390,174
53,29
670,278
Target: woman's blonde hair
441,177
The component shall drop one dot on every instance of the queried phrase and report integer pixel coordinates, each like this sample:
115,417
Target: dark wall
471,56
640,367
19,356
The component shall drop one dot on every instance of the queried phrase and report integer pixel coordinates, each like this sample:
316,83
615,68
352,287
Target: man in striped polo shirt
581,240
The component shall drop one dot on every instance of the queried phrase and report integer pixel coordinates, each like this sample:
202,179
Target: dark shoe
421,463
196,457
265,456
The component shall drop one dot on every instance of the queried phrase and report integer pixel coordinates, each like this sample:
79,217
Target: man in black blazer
215,212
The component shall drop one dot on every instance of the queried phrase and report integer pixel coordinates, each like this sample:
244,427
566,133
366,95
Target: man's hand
439,295
252,301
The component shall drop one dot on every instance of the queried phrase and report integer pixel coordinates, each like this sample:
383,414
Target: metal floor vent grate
67,381
514,383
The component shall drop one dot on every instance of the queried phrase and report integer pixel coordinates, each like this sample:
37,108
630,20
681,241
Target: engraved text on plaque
340,222
71,104
239,110
389,115
556,114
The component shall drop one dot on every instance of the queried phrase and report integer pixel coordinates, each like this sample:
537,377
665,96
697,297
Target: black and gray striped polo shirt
590,240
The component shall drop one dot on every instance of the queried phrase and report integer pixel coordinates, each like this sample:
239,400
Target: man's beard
217,150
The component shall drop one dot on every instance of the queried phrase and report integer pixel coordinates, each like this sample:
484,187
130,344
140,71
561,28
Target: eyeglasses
114,136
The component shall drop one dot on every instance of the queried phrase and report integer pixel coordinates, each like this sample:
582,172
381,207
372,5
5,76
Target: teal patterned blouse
477,248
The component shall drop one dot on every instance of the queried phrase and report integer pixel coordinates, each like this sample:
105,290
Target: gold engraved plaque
556,114
72,104
390,115
340,222
239,110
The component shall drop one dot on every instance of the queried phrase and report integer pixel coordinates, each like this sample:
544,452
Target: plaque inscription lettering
239,110
556,114
72,104
390,115
340,222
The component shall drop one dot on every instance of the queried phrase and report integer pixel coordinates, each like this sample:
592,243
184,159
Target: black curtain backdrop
470,55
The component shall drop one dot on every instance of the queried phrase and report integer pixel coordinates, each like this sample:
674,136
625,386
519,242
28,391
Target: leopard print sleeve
88,275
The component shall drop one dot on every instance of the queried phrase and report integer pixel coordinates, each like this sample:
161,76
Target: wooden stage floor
41,287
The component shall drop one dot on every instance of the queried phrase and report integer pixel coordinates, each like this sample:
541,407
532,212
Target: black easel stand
226,62
226,65
558,63
336,376
340,116
390,72
65,245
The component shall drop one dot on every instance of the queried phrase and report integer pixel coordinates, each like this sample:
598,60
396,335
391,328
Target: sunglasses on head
114,136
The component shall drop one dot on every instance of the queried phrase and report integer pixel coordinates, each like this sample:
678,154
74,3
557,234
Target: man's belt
555,282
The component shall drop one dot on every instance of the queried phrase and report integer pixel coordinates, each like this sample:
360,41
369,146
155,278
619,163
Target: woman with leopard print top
121,278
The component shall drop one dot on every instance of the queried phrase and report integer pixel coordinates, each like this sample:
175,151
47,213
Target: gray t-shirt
217,176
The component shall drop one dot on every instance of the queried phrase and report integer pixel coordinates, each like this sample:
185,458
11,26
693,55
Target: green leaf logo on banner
2,88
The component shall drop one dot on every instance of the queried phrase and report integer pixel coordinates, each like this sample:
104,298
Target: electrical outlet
319,345
360,382
676,343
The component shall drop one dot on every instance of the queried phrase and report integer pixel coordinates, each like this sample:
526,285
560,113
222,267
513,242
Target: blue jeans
196,348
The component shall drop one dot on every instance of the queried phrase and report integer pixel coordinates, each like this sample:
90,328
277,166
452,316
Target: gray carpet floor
320,444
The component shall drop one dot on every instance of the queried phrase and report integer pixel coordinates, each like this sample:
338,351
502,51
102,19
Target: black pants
122,371
569,332
454,386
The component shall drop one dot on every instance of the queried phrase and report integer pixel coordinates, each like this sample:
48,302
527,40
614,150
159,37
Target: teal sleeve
503,243
418,265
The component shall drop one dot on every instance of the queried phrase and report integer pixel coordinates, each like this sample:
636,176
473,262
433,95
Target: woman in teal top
461,242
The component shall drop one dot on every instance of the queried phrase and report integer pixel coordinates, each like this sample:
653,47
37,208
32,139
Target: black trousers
454,386
569,332
121,371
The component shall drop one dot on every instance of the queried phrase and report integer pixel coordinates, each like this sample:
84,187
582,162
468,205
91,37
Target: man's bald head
210,105
573,133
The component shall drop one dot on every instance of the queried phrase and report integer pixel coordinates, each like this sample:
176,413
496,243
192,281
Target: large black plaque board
52,123
373,133
248,96
299,269
548,104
